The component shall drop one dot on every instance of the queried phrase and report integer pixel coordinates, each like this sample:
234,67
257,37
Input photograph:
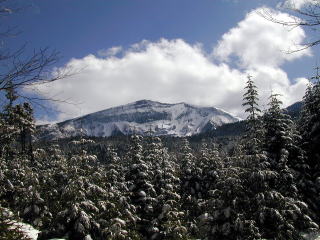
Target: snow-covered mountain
179,119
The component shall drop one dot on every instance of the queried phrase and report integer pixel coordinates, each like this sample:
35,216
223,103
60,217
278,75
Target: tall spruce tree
253,127
278,137
168,213
309,126
143,194
284,214
190,179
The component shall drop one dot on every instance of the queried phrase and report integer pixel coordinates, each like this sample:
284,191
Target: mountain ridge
175,119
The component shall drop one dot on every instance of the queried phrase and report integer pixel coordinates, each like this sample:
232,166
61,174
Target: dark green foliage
278,134
283,157
309,126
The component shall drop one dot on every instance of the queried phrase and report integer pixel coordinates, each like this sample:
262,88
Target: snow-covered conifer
142,190
254,132
309,126
190,176
169,217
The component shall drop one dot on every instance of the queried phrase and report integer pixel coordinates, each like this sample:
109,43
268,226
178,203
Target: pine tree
143,194
225,212
76,193
118,220
309,126
278,132
8,129
190,179
254,131
255,196
16,125
209,161
168,213
281,214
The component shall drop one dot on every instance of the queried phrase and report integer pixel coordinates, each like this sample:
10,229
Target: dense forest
266,186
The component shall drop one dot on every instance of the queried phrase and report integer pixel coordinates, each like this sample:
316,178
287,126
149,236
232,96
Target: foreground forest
266,187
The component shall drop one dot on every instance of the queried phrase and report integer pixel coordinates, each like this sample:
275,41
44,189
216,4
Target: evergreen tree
279,211
8,129
210,162
278,132
16,125
168,213
190,177
309,126
227,211
254,132
143,194
118,220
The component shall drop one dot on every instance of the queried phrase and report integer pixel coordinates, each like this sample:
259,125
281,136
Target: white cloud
255,41
275,80
175,71
260,47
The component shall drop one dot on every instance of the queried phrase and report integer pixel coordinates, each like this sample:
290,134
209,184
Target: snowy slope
179,119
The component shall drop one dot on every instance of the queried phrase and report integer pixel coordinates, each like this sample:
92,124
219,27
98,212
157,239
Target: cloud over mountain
176,71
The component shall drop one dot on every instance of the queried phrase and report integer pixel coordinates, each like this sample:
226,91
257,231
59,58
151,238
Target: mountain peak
144,101
180,119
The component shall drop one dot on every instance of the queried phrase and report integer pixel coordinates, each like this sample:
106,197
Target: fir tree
190,177
281,211
142,190
118,220
168,211
309,126
8,128
254,131
209,161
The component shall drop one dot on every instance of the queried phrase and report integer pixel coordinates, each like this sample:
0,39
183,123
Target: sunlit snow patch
28,230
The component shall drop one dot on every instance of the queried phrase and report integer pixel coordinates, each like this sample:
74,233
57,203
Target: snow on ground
31,232
28,230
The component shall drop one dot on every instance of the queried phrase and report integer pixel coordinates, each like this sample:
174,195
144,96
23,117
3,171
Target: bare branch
307,17
18,72
32,71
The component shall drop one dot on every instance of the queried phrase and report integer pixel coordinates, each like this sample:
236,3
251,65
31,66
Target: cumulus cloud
176,71
275,80
256,41
260,47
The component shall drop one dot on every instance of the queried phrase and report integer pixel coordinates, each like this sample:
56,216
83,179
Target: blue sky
80,27
90,31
